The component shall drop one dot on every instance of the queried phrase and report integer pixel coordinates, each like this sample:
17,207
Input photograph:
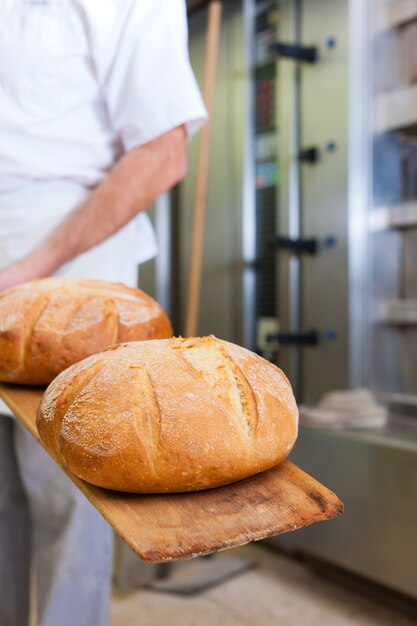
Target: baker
97,99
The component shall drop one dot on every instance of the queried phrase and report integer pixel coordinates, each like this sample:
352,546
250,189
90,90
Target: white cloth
345,408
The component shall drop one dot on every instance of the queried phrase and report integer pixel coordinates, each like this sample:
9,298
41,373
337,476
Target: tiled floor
279,592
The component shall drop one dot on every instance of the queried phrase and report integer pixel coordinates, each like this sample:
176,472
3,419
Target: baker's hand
13,275
36,265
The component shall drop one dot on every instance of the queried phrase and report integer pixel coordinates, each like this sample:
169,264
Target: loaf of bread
47,325
170,415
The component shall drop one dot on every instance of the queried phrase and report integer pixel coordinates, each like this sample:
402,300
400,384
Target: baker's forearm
133,184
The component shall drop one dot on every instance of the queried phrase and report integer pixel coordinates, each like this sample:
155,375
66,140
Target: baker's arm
136,180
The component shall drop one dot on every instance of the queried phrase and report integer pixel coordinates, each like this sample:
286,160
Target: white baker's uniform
81,82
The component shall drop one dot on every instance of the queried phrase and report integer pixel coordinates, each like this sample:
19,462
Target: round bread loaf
169,416
47,325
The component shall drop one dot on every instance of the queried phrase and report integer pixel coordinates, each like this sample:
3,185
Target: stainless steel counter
374,472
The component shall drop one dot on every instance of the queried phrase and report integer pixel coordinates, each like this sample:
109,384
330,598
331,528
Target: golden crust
49,324
170,415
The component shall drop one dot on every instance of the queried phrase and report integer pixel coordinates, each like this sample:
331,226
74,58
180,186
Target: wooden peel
212,53
162,528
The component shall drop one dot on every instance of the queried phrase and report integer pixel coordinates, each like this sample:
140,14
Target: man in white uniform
97,98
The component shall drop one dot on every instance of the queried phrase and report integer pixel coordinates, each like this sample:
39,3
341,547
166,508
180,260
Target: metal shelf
395,15
401,216
396,110
398,312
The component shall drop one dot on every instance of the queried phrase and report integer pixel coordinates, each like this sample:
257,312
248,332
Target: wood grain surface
162,528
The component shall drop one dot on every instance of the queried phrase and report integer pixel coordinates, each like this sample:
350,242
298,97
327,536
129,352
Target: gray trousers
44,519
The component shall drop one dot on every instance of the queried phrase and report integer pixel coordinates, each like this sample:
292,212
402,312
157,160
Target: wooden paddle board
163,528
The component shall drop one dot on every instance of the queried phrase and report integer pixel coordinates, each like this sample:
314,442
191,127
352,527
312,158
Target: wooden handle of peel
212,53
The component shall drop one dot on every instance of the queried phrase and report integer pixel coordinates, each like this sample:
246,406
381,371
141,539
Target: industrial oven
311,244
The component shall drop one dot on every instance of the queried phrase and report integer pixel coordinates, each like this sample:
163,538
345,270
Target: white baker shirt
81,82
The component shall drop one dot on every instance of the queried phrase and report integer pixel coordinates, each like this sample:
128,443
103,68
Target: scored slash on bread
170,415
49,324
